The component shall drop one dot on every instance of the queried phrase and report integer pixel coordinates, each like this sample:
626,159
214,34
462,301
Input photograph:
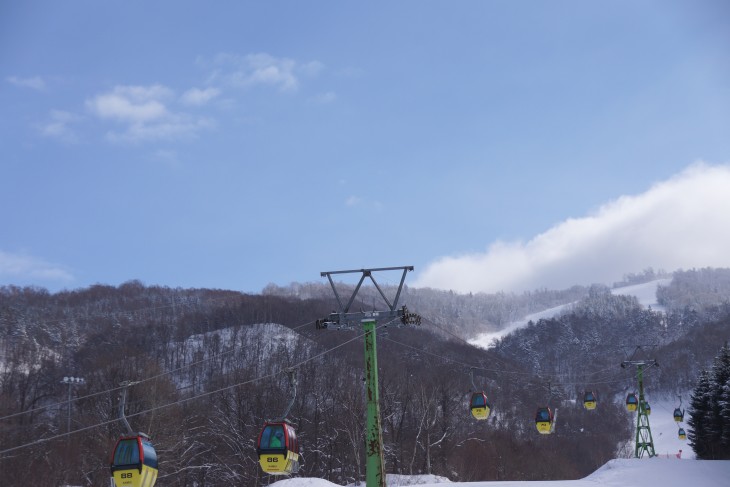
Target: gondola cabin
647,408
678,415
632,402
134,462
278,449
682,434
479,406
544,420
589,401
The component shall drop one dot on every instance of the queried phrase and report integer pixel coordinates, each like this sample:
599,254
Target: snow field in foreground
647,472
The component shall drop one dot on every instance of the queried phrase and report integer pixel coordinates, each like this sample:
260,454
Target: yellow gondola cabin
632,403
479,406
544,421
589,401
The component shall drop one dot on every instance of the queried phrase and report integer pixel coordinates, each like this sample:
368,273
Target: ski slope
645,293
654,472
486,340
664,429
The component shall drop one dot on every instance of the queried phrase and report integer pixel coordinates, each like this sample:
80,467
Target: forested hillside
211,366
464,314
604,329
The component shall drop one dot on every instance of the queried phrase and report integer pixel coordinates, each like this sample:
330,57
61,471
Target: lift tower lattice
644,441
344,318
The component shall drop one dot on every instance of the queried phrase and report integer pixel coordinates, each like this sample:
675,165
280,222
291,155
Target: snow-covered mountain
645,293
218,360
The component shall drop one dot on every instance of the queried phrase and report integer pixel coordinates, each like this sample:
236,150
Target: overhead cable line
502,361
187,399
609,380
162,374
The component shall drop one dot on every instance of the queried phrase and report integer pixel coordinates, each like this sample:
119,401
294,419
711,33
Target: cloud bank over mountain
680,223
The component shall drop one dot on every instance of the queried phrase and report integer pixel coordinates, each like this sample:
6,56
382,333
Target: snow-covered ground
666,470
486,340
654,472
645,293
664,429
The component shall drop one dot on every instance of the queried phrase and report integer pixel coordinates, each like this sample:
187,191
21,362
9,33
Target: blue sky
235,144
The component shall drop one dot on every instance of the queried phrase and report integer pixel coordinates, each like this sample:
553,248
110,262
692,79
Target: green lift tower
345,319
644,442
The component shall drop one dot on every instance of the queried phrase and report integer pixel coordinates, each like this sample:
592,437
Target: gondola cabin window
128,453
277,437
150,455
273,437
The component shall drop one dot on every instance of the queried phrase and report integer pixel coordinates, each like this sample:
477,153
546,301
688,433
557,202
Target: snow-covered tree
709,415
720,416
699,413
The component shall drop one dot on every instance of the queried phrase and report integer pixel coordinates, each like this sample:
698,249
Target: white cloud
59,126
24,267
261,69
131,103
172,127
680,223
36,82
198,97
144,113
